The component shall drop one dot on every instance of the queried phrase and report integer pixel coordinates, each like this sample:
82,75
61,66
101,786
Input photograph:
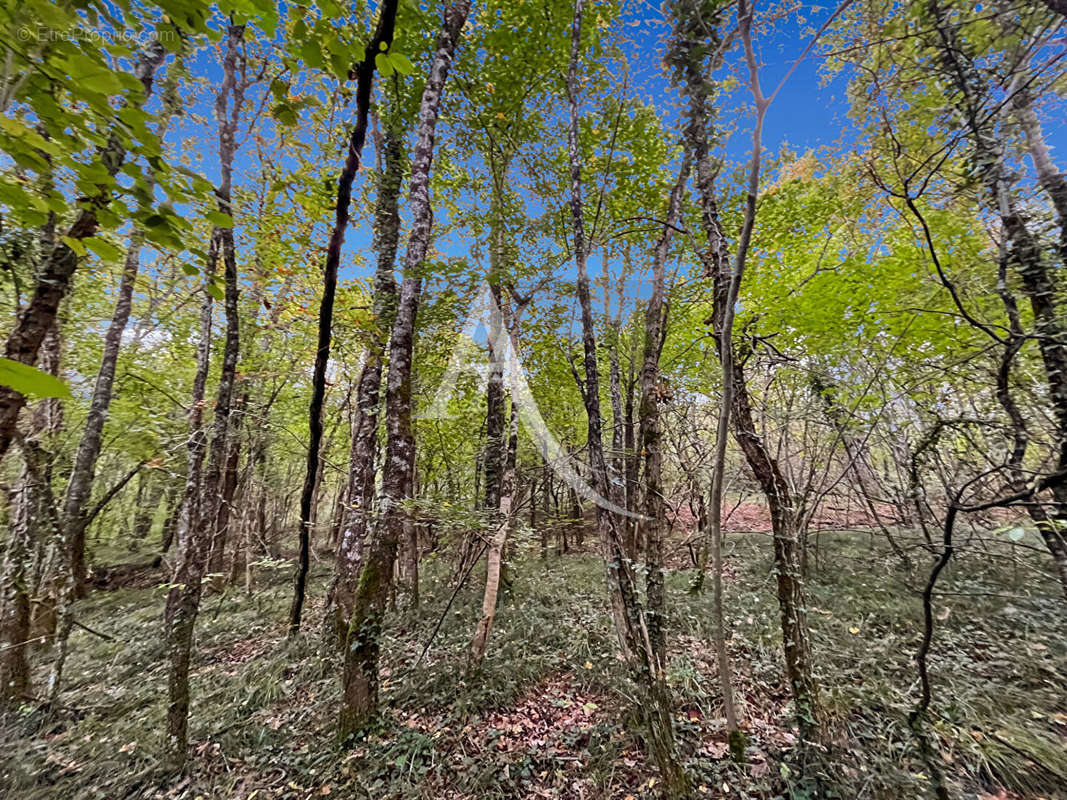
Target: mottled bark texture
494,561
364,75
655,524
33,537
364,450
654,705
1038,270
204,493
60,262
76,501
359,702
689,54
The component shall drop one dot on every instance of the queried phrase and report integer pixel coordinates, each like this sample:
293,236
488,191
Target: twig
86,628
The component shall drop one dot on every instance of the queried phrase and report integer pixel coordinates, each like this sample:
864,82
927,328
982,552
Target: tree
364,74
360,679
204,497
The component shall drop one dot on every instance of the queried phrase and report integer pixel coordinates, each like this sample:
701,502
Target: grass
547,715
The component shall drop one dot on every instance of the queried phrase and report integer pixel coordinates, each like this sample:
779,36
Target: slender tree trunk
546,505
364,74
170,521
359,702
204,497
651,434
79,489
655,707
31,518
148,501
632,456
227,493
54,279
410,538
494,561
1040,281
15,597
362,462
14,615
493,460
502,344
736,403
618,427
183,600
365,78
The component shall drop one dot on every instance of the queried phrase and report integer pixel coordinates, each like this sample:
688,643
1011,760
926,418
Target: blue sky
808,113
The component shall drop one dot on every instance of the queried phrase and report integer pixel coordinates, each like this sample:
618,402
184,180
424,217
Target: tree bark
364,451
63,263
365,78
31,514
53,282
1040,281
204,497
359,702
494,561
364,74
736,405
15,597
651,434
149,494
655,706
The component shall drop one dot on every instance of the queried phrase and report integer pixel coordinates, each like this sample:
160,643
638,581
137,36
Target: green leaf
401,63
103,248
31,381
219,219
189,269
285,114
381,60
74,245
214,291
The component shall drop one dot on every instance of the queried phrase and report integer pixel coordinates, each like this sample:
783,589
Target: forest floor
546,717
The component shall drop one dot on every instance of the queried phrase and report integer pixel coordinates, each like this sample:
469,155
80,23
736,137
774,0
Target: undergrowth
548,715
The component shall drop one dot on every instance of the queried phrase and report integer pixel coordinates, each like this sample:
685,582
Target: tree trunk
15,597
33,535
204,498
149,498
651,434
227,493
53,281
692,50
494,561
632,460
493,460
655,705
381,40
359,702
362,472
1040,281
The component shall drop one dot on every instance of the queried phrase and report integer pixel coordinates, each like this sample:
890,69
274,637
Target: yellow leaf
853,630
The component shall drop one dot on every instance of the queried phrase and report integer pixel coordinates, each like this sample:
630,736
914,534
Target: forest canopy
533,399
